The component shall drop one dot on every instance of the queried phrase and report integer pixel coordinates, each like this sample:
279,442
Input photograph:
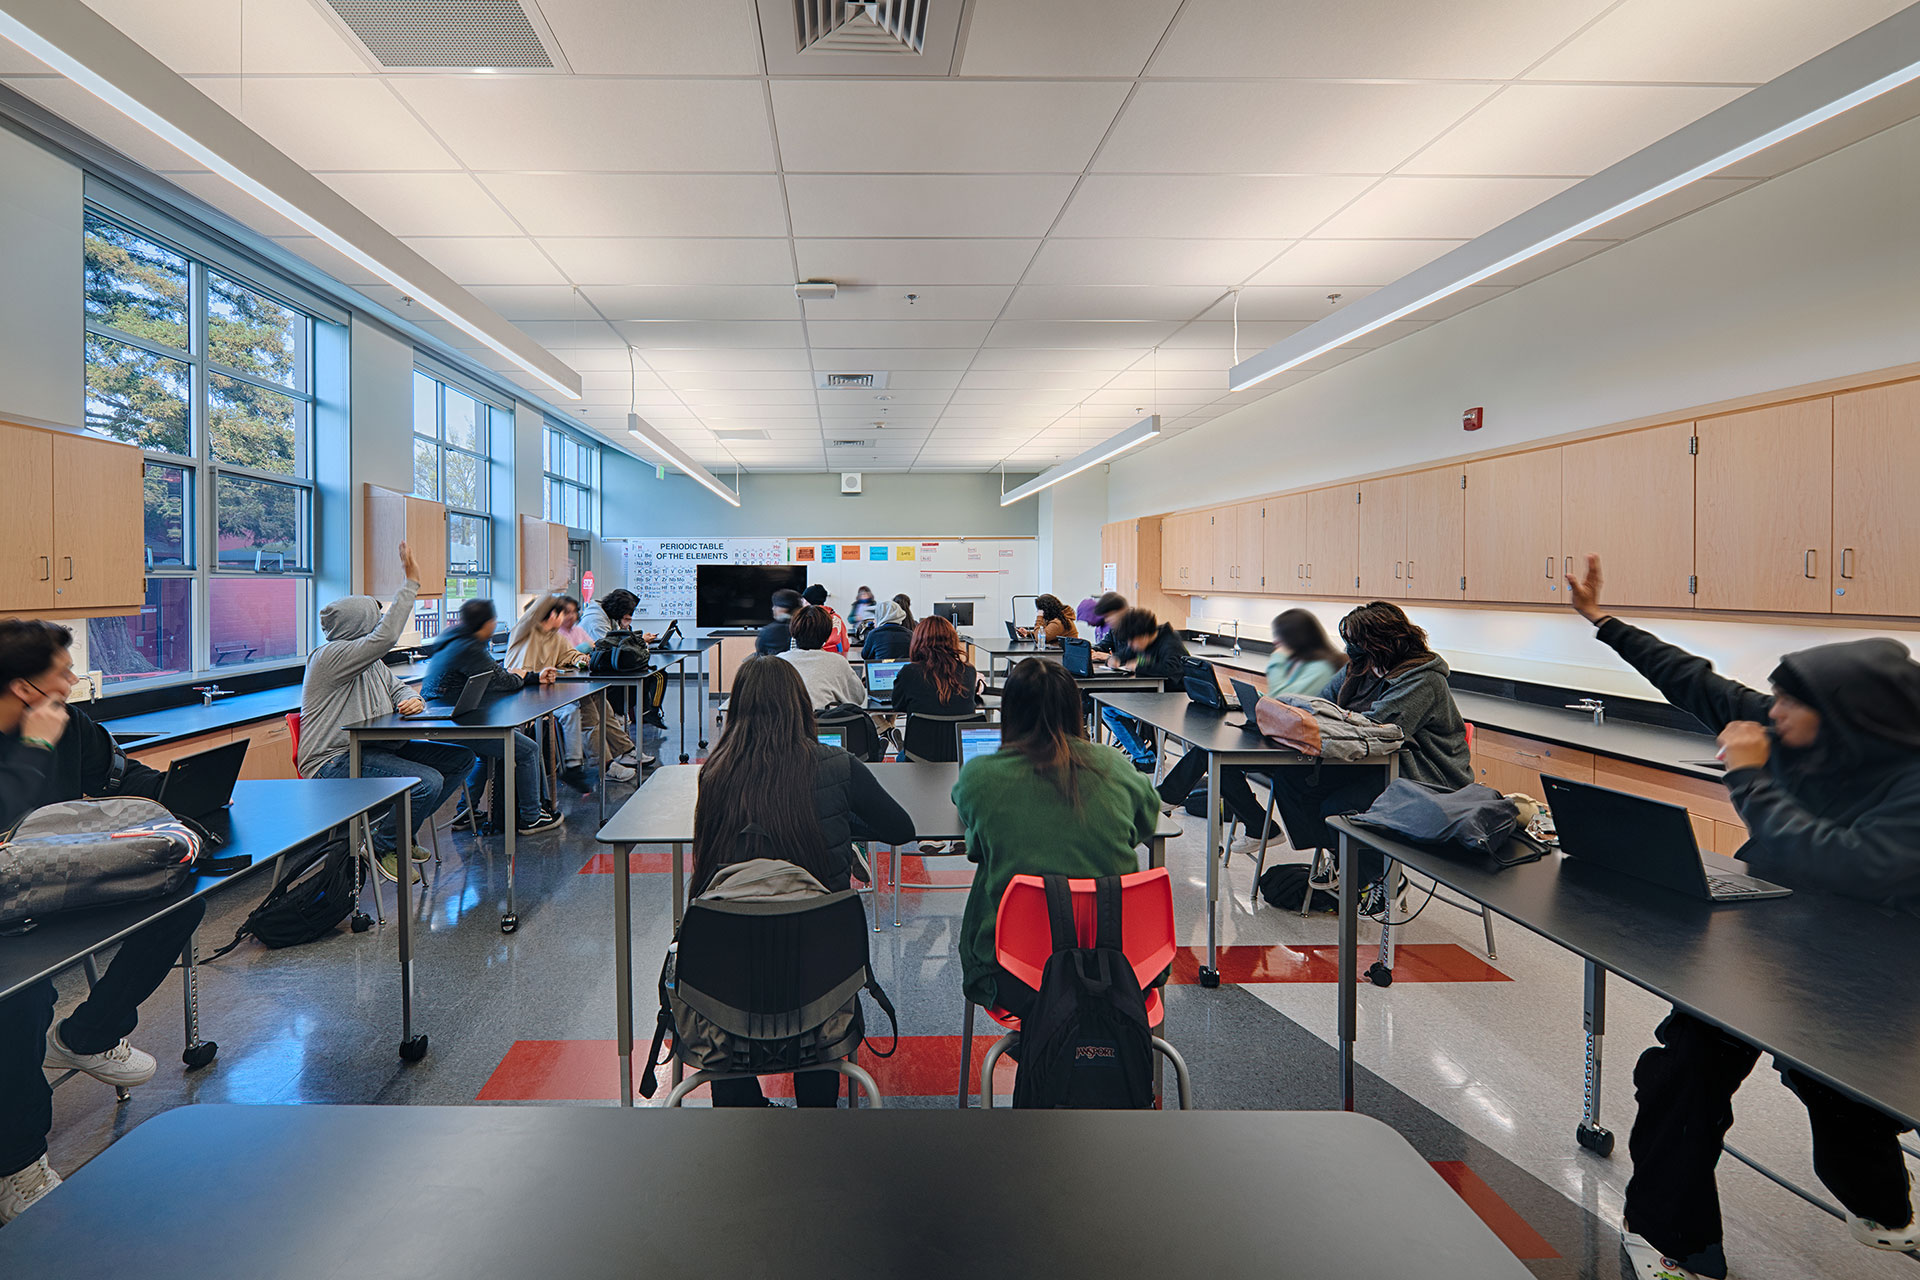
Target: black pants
107,1015
1307,795
1191,769
810,1089
1684,1086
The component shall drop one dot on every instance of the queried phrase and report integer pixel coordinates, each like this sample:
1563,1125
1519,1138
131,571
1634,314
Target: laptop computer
833,737
1646,839
472,694
880,678
978,742
1013,633
1249,697
199,786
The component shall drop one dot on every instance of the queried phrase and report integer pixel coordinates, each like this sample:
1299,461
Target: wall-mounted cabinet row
70,531
1801,507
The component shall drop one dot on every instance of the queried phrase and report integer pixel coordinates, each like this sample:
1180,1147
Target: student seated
1151,648
771,789
864,610
51,752
890,638
459,653
828,676
937,682
816,595
538,641
1052,621
349,681
906,608
1047,802
614,612
1107,609
1825,772
776,637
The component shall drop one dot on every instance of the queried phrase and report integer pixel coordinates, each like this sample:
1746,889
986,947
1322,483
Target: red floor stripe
588,1070
1500,1216
1413,962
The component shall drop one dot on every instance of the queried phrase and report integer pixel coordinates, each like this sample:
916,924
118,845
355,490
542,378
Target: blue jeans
1127,730
439,766
529,779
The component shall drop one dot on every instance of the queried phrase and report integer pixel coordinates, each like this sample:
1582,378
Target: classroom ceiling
1036,225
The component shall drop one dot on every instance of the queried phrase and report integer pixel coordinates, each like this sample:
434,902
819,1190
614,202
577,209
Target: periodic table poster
661,570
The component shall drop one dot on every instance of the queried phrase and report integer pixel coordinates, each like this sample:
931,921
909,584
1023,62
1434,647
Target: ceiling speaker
850,483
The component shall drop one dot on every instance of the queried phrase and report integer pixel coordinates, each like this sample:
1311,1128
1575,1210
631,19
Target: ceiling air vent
850,444
850,381
861,26
449,33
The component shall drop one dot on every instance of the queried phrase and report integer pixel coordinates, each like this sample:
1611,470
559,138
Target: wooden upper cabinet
1170,539
559,562
391,518
99,515
26,520
1763,508
427,539
1629,500
1513,528
1249,555
1436,510
1875,555
1333,540
1283,543
1382,538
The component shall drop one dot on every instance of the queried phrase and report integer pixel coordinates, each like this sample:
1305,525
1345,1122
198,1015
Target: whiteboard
661,571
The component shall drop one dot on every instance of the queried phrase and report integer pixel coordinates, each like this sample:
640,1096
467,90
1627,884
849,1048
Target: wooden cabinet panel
1763,508
1502,775
1699,796
727,657
534,573
1249,553
1332,541
269,749
98,518
1283,538
160,757
390,518
26,520
559,566
1874,562
1513,528
1182,539
1521,761
1436,511
1170,552
1381,555
1629,500
427,539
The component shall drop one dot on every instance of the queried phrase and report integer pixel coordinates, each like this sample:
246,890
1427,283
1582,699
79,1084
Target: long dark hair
760,773
1304,639
936,647
1055,608
906,606
1380,635
1040,718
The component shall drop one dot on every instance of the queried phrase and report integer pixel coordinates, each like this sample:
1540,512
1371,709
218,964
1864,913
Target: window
213,379
572,474
453,435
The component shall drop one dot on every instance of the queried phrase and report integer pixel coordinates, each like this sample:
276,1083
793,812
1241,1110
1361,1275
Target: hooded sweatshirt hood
892,614
1867,693
350,617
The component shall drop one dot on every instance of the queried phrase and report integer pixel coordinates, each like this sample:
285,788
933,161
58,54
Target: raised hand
1584,592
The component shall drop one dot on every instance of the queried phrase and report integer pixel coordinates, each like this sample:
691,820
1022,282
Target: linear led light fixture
1137,434
94,54
646,433
1878,60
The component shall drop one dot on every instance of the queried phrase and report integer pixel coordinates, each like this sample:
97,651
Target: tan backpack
1320,728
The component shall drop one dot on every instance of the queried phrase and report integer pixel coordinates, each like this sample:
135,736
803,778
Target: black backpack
1285,886
309,902
863,740
1201,684
618,653
1086,1043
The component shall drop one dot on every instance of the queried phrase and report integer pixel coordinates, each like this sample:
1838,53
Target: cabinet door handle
1846,562
1396,568
1549,573
1309,569
1808,564
69,560
46,568
1568,564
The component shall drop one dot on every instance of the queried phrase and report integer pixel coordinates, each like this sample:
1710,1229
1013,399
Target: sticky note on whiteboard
903,553
876,553
828,553
849,551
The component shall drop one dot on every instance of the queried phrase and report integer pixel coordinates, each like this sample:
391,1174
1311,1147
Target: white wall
42,364
1815,274
382,434
1070,560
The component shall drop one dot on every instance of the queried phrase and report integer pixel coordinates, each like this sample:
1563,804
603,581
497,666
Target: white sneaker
1893,1239
122,1066
627,758
18,1191
1250,844
617,772
1649,1263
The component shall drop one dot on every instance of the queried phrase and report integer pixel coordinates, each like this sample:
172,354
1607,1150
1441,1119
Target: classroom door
1436,534
1763,508
1876,545
1629,500
1513,528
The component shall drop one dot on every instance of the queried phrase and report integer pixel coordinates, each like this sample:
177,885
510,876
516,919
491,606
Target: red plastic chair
1023,942
293,733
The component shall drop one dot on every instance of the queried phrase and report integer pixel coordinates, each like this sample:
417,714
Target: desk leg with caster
1210,973
702,702
1381,972
680,678
412,1047
510,823
623,966
198,1052
1349,1001
1591,1134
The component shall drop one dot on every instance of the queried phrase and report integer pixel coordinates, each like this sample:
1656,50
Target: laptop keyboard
1727,887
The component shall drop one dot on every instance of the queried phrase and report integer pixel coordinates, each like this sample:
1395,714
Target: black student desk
269,819
223,1192
999,649
1228,742
660,812
677,654
496,719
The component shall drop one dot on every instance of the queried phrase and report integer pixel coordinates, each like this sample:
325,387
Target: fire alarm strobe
1470,420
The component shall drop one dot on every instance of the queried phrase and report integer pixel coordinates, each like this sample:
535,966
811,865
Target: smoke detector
815,290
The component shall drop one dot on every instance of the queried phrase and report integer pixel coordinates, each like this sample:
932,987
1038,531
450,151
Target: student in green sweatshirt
1047,802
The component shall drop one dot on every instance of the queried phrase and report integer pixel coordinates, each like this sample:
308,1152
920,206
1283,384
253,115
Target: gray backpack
92,853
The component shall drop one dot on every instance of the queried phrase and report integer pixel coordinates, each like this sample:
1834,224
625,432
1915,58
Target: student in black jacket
777,636
1151,648
50,752
1825,772
462,652
890,638
938,682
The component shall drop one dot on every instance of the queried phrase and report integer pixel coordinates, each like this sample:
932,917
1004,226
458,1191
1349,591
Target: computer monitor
958,612
978,742
880,677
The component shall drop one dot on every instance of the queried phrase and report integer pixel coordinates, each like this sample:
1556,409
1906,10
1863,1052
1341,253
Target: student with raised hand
771,789
1151,648
828,676
1049,802
891,638
460,653
538,641
1303,660
348,681
938,681
1825,772
1052,621
50,752
777,636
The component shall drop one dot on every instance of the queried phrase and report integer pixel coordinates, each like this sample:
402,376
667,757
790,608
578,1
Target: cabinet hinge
1693,585
1357,496
1463,582
1693,446
1356,582
1463,479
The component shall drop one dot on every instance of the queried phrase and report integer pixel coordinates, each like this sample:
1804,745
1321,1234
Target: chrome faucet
208,692
1597,707
1236,637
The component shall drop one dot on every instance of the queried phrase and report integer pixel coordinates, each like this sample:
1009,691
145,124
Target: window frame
491,417
555,437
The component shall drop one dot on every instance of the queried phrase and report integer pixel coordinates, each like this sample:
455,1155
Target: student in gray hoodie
348,681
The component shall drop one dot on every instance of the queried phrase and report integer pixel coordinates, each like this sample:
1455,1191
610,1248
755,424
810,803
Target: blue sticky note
827,553
876,553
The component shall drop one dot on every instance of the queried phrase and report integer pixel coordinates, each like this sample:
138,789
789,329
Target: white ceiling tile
1074,302
1063,37
577,335
1732,41
331,122
489,260
931,302
897,398
738,380
928,333
1566,128
1217,336
1468,39
549,123
941,126
424,204
1150,262
712,333
610,380
891,358
523,303
627,260
775,359
601,359
929,262
1033,380
1205,207
964,206
929,380
625,205
1301,304
1281,127
189,36
1451,208
656,37
1081,333
1110,359
1359,262
694,302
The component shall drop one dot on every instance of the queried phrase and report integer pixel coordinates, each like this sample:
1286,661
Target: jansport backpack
92,853
1086,1043
1322,728
309,902
619,653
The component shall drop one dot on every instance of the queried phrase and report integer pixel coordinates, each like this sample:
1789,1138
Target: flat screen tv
741,595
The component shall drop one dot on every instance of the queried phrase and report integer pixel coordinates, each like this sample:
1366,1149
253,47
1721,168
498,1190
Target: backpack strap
1060,912
879,994
662,1025
1106,906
